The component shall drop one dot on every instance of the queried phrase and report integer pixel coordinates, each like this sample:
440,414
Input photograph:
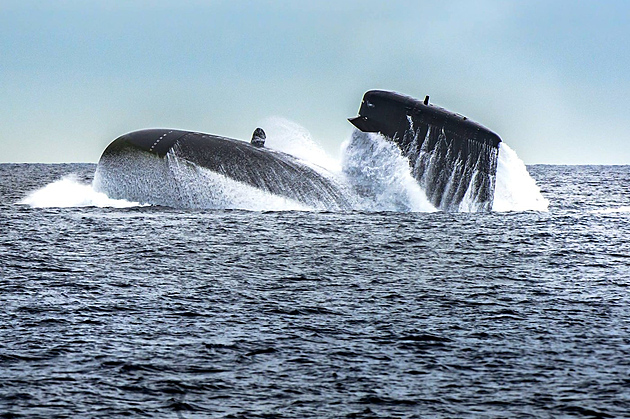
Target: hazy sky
552,78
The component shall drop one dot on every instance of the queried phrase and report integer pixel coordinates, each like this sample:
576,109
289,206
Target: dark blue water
158,312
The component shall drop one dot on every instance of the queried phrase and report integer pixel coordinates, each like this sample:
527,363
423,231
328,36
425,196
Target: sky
552,78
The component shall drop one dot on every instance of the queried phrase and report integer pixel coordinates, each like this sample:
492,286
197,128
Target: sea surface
149,311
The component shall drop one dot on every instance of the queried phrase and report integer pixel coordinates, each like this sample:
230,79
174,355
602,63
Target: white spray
70,192
380,176
515,189
292,138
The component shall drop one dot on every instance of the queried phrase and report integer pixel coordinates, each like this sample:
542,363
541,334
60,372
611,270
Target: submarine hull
167,167
453,158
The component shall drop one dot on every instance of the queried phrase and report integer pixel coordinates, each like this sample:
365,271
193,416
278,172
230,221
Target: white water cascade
175,182
380,176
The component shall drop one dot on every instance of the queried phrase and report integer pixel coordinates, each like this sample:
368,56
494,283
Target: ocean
114,309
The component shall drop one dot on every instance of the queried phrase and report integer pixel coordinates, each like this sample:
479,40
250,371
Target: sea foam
70,192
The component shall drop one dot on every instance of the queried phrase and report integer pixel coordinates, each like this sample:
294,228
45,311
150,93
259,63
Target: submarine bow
185,169
453,158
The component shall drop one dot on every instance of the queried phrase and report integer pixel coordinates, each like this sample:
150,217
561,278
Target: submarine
165,167
452,157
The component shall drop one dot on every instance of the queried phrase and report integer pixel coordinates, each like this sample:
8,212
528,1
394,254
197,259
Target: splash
380,176
70,192
292,138
515,189
372,171
385,180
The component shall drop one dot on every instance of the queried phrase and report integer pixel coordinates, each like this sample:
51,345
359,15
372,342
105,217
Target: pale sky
552,78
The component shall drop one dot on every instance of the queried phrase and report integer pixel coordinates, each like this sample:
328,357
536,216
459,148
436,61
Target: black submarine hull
453,158
146,166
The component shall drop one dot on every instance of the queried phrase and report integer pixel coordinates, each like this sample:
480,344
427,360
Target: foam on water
515,189
70,192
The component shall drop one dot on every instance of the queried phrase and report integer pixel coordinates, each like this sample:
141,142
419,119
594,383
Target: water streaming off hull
210,172
175,182
380,176
457,174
